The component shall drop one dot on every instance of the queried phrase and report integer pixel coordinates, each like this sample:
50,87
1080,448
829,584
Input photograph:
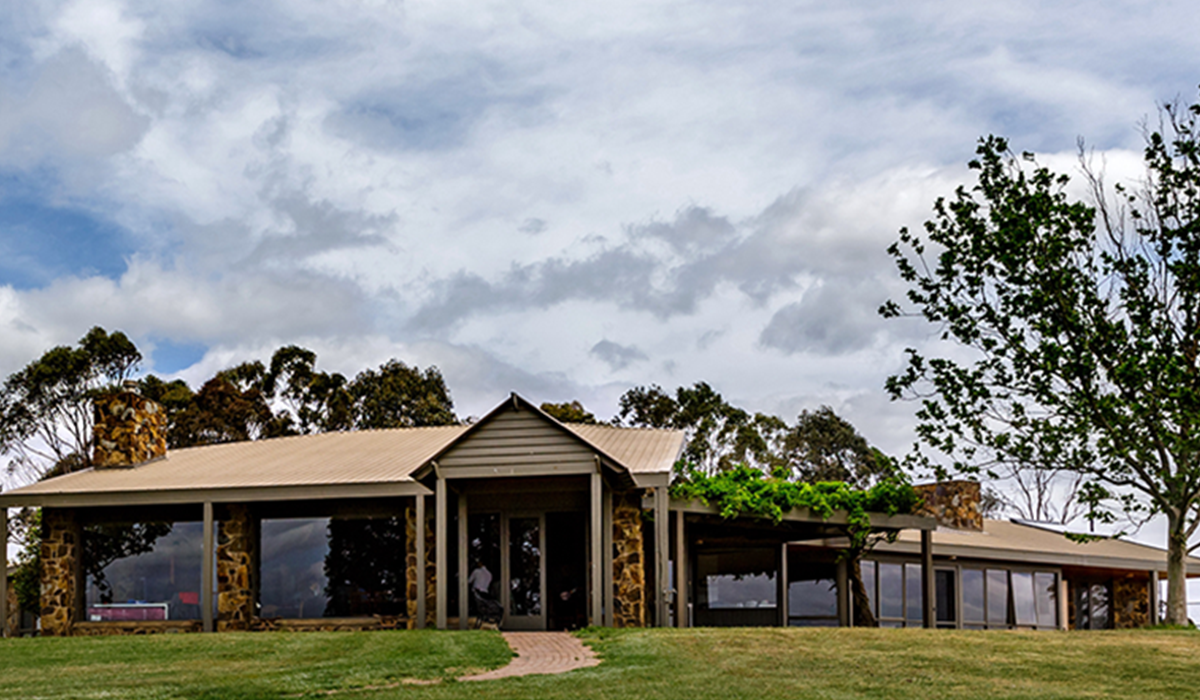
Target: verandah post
597,544
206,570
662,545
439,555
928,586
4,574
422,563
681,557
463,609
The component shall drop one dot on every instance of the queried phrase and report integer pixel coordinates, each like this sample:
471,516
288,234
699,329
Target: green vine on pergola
745,491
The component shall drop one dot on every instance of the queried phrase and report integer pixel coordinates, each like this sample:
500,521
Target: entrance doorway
566,570
536,569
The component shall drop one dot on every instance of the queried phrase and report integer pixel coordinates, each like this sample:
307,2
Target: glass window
293,581
891,590
868,579
912,577
366,567
332,567
1098,594
741,590
997,597
1046,595
525,566
946,599
972,596
143,571
813,598
1024,600
744,580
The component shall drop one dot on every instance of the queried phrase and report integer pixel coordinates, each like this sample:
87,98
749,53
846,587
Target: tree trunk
863,616
1177,546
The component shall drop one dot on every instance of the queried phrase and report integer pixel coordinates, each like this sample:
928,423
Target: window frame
957,567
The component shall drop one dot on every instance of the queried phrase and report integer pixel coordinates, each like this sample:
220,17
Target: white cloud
502,188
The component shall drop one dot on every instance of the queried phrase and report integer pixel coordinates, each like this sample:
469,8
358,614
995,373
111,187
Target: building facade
516,521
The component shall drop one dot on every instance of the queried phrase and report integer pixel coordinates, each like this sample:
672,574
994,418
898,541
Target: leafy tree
823,446
572,412
110,542
46,410
719,434
1081,328
319,402
399,396
230,407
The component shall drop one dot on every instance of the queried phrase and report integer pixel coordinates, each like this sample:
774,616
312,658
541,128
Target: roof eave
244,494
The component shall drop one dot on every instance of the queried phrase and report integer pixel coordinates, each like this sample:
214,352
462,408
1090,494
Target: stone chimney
954,504
129,429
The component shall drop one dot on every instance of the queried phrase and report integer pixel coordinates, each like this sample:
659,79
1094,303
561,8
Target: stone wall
235,560
12,609
129,430
629,575
1131,601
1070,604
61,550
331,624
134,627
410,577
954,503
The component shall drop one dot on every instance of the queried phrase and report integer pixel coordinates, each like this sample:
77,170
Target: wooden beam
783,588
257,494
879,521
1154,597
463,609
439,554
843,593
607,559
681,562
928,584
206,570
4,632
662,561
596,530
422,564
1063,590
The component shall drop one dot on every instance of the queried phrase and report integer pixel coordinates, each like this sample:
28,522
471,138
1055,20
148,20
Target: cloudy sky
564,200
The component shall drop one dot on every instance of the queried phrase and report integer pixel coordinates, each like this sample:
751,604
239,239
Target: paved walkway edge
541,653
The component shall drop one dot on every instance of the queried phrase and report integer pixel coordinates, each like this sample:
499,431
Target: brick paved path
541,652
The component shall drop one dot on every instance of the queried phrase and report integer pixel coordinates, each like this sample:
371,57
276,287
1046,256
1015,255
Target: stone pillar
129,430
1131,602
629,574
60,568
1069,593
13,611
954,504
413,567
235,561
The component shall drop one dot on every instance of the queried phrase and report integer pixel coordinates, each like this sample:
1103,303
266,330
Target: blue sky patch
40,242
169,357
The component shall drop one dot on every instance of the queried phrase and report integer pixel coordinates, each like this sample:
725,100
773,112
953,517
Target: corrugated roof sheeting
1002,539
374,456
642,450
363,457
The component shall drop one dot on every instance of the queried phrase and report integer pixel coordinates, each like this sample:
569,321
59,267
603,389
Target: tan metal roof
363,457
1009,541
641,450
313,466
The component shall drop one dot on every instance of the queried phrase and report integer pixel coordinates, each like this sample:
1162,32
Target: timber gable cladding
515,442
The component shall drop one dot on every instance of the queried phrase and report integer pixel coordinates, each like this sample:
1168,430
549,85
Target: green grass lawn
685,664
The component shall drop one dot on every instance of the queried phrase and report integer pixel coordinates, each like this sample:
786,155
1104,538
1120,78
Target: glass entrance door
524,572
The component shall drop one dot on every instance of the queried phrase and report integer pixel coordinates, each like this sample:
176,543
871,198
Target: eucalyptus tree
46,410
1075,329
